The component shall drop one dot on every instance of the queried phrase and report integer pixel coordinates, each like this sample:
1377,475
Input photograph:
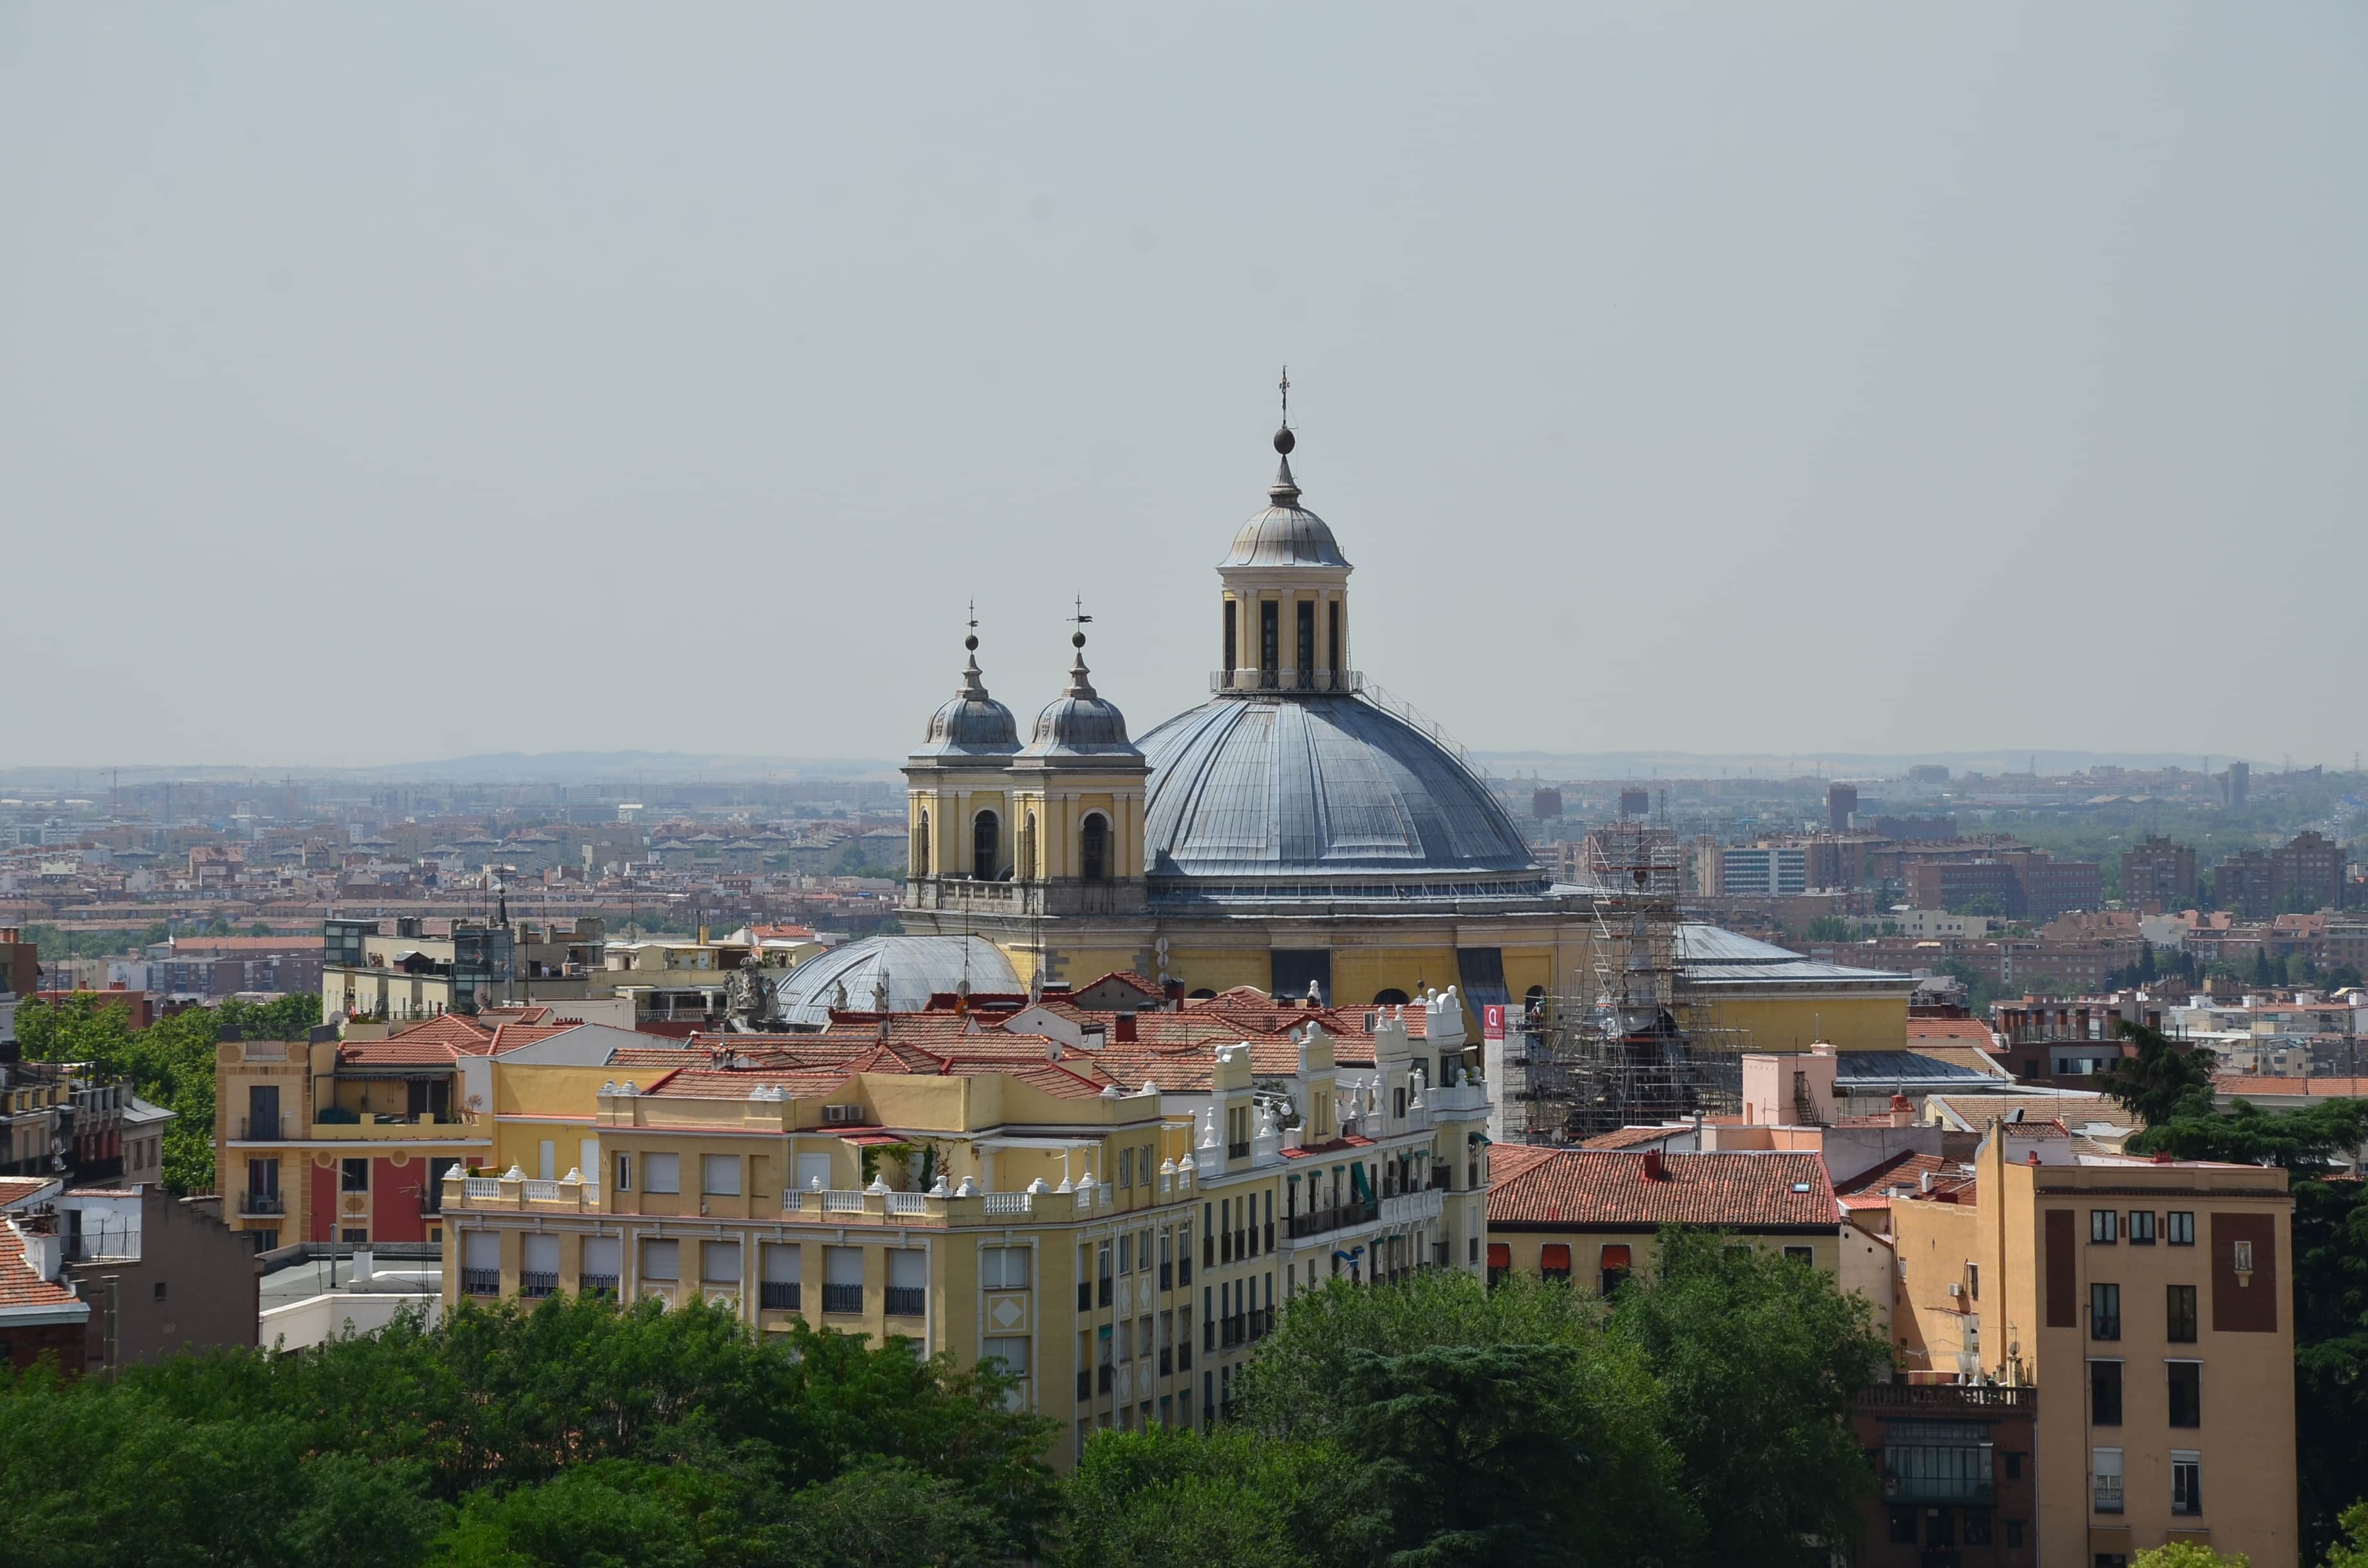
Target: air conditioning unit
841,1113
1956,1290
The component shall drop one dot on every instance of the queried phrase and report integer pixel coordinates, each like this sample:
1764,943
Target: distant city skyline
438,382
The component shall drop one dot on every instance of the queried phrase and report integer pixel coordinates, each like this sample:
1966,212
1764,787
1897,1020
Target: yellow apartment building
348,1141
2151,1304
1119,1248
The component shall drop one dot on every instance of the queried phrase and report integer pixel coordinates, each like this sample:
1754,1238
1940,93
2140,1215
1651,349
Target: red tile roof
1904,1169
1934,1032
15,1189
2336,1088
1608,1189
19,1286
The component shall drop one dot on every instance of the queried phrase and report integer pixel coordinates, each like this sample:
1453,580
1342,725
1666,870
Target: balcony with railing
597,1285
1344,682
481,1281
266,1129
778,1295
1411,1208
537,1283
261,1204
907,1300
842,1298
874,1205
1063,895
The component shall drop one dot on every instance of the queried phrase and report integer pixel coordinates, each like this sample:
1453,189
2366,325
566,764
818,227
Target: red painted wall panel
320,1214
394,1200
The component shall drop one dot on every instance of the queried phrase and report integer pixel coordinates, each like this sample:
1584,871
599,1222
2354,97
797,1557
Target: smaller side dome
1081,722
974,723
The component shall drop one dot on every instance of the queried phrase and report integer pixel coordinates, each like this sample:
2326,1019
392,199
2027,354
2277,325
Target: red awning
1554,1254
1616,1256
1501,1256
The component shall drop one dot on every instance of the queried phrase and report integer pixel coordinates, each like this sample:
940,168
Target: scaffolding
1625,1042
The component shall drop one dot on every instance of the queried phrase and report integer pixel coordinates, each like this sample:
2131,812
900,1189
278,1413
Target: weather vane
1285,387
974,615
1081,618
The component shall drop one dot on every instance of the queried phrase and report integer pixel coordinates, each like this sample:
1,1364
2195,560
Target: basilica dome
913,969
1316,795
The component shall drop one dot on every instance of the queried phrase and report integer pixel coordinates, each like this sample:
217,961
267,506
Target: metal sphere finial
1284,441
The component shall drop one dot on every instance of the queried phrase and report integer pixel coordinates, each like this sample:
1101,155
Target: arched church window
1093,859
985,846
1392,998
921,845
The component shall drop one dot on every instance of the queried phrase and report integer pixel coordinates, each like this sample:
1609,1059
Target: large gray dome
1304,790
917,969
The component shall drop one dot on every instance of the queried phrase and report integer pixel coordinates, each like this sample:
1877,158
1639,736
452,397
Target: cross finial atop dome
1284,491
972,685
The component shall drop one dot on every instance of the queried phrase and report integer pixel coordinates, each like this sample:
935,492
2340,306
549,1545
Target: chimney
1052,1049
1656,1168
1923,1181
1902,1111
1125,1035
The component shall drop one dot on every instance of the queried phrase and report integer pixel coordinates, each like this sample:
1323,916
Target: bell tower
958,805
1077,795
1284,594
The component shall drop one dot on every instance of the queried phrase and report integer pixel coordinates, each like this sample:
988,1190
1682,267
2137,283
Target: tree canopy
1702,1418
574,1433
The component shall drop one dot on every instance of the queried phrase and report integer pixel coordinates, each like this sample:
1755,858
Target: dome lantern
1284,594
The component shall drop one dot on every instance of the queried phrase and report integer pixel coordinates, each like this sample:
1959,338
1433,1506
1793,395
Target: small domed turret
974,723
1081,722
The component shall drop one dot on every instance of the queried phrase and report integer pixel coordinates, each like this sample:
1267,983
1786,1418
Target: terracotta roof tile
1599,1188
1935,1031
15,1189
19,1286
1904,1169
2336,1088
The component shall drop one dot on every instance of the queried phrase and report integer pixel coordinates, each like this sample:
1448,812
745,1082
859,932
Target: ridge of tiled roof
2334,1085
1905,1168
1604,1188
15,1189
1634,1137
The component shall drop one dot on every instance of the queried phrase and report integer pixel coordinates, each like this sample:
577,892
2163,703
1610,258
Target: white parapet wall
318,1318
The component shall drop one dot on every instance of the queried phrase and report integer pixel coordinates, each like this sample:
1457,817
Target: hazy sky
386,383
